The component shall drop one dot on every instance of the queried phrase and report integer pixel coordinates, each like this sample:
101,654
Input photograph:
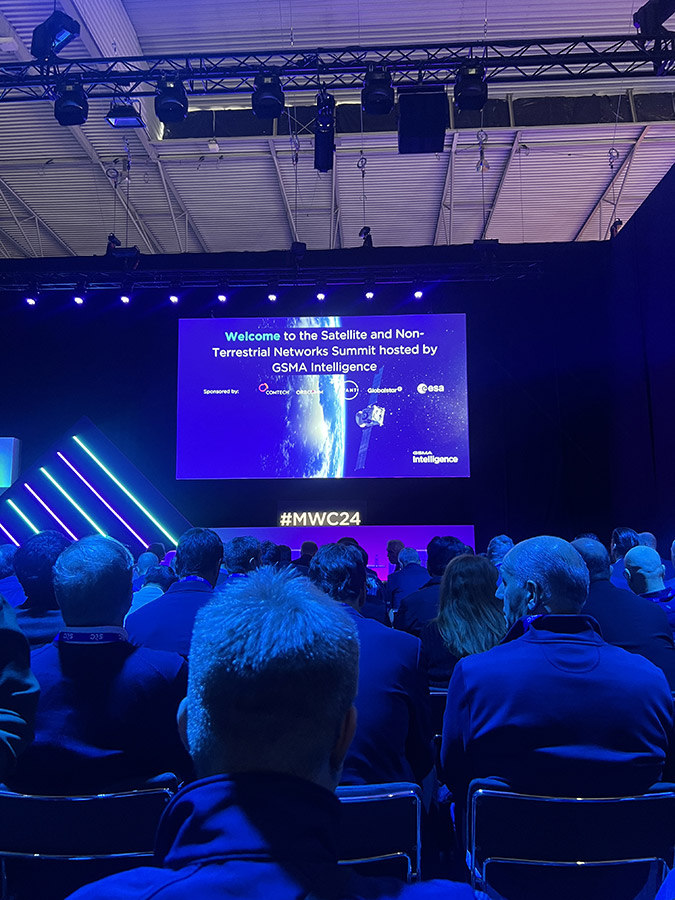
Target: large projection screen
332,397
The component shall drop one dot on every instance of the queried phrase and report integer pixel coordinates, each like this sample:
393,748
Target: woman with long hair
470,618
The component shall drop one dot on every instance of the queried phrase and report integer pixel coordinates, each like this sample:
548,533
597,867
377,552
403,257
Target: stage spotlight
222,298
419,293
321,290
370,293
173,298
267,100
324,132
124,114
377,95
79,299
125,298
272,295
31,301
171,102
53,35
650,18
71,106
471,90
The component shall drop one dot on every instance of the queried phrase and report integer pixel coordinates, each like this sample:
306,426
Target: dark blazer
404,582
19,691
167,622
106,719
440,661
419,608
633,623
393,731
40,626
557,710
11,590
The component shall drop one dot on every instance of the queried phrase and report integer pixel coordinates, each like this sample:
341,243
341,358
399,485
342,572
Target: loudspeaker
423,116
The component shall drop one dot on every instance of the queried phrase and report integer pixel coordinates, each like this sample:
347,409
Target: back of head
623,539
308,548
273,672
269,553
145,560
440,550
647,539
352,542
242,554
470,617
158,549
284,553
596,557
587,534
394,547
498,547
7,554
33,562
199,552
93,582
555,568
339,570
408,556
643,570
162,576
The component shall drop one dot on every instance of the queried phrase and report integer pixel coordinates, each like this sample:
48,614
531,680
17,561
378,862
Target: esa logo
432,388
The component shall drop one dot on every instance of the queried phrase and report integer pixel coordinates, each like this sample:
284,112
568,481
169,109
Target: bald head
643,570
596,557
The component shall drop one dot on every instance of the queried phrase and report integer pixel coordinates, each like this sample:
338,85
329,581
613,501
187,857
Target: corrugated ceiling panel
25,15
314,191
653,159
29,131
236,206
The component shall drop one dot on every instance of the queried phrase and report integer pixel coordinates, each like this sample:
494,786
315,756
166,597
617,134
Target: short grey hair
92,581
273,672
498,547
555,567
647,539
408,556
596,557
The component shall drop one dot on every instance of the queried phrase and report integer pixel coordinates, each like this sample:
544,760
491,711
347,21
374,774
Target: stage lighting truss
471,90
71,106
171,102
280,71
377,95
267,100
124,113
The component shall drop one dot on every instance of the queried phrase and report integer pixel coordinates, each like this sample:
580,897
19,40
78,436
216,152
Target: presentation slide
331,397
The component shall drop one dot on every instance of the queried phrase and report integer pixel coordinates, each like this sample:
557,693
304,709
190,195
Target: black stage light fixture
423,116
377,95
324,132
471,90
649,19
267,100
71,106
125,114
171,102
53,35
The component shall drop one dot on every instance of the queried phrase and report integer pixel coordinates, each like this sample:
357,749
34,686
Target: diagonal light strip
126,490
70,500
103,501
23,516
10,536
50,511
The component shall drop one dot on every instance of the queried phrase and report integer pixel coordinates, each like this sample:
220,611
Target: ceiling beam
447,191
33,215
514,149
282,190
623,172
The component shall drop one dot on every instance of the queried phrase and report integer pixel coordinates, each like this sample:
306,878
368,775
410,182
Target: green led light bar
119,484
70,500
23,516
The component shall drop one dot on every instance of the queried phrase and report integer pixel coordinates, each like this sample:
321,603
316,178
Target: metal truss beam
548,59
514,149
447,192
292,224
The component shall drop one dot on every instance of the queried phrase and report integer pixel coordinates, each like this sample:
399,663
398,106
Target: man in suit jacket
166,623
421,606
644,572
406,579
555,709
626,620
39,616
393,732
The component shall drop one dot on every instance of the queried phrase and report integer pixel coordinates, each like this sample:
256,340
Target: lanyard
104,634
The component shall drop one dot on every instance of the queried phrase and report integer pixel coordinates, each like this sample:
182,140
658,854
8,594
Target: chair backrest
535,831
380,824
106,826
437,701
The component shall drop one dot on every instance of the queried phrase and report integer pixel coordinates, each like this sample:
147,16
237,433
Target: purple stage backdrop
350,397
373,538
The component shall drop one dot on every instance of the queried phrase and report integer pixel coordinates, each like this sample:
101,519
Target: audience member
159,550
166,623
392,741
374,606
241,555
269,553
497,549
644,571
626,620
284,556
555,709
421,607
470,617
647,539
307,551
107,712
19,691
157,581
145,561
621,542
39,616
10,586
394,547
409,576
268,718
590,535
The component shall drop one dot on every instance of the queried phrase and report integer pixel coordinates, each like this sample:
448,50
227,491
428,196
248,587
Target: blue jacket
167,622
557,710
11,590
393,731
404,582
255,835
418,608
